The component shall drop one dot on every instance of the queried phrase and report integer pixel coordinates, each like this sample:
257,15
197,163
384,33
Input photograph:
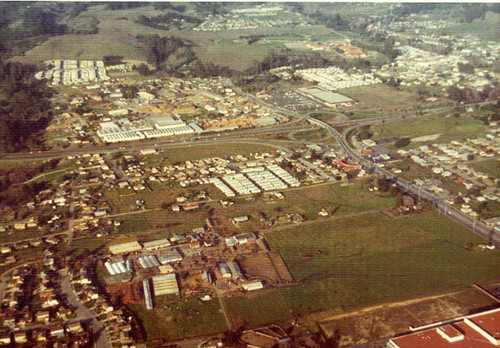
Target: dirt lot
267,266
386,321
129,293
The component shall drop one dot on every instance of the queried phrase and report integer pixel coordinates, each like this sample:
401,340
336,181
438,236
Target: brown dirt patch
392,319
266,266
126,293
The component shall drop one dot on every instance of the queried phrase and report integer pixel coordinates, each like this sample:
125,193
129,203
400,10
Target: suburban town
249,175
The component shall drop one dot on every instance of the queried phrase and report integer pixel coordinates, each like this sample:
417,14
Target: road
477,227
101,337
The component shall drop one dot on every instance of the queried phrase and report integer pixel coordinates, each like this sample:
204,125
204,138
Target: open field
171,320
118,31
380,97
451,128
380,323
266,266
196,152
11,237
235,54
486,29
489,167
384,259
311,135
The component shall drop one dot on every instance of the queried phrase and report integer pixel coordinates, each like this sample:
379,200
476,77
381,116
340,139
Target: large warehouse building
165,284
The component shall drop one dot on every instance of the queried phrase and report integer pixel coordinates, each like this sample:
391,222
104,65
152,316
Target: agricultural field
386,259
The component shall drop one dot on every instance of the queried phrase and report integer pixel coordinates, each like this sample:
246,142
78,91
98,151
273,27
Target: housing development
249,174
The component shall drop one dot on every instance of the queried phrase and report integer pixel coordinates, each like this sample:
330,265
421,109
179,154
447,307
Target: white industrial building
125,247
165,132
223,187
253,285
148,261
147,294
170,256
156,244
165,284
115,268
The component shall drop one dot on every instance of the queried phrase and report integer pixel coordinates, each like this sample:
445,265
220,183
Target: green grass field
19,235
487,29
489,167
450,128
369,260
311,135
171,320
206,151
235,54
380,97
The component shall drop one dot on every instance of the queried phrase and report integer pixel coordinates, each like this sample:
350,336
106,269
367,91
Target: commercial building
147,294
125,248
148,261
165,284
480,330
253,285
115,268
327,98
170,256
156,244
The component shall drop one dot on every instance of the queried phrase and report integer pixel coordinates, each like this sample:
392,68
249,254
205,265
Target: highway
477,227
248,136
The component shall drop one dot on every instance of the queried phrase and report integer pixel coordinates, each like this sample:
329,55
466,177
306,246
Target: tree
143,69
402,142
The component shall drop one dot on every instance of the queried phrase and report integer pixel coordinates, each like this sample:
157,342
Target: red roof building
473,331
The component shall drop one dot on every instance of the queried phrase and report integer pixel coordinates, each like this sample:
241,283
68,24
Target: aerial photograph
249,174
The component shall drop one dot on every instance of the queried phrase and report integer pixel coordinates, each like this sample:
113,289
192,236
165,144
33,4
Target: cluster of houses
432,58
334,78
255,173
71,72
45,317
450,161
116,321
416,66
260,16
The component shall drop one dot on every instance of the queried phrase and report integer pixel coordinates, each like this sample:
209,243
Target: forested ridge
24,108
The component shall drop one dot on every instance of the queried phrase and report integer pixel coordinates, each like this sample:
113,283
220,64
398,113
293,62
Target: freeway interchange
250,136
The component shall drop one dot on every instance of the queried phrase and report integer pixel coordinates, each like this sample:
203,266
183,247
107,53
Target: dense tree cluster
39,22
468,95
166,21
125,5
13,191
169,6
158,49
24,107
